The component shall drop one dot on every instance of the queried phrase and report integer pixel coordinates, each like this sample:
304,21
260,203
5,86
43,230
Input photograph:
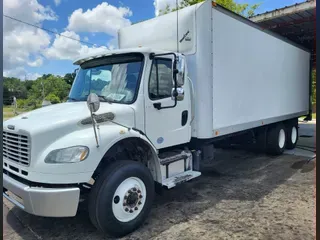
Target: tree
243,9
69,78
28,84
45,85
53,98
6,96
15,87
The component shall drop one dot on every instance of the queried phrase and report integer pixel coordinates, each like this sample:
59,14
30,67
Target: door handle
157,105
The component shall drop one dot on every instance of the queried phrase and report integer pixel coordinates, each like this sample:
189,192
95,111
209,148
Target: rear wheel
292,135
121,198
276,139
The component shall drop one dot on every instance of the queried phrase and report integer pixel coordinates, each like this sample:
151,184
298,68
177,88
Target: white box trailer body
243,76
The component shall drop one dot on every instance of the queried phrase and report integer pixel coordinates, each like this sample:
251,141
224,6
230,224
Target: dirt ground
241,195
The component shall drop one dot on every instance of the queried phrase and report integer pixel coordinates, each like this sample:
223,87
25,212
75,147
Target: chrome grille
16,148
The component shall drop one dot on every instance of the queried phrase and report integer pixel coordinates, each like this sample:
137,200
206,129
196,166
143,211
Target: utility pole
42,90
15,105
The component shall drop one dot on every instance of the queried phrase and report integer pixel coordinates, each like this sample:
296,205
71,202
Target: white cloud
86,39
57,2
23,44
36,63
33,76
113,43
67,49
162,4
103,18
27,10
21,73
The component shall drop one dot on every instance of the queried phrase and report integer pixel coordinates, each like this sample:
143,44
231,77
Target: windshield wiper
74,99
108,100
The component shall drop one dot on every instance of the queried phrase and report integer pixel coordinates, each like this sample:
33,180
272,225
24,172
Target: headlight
68,155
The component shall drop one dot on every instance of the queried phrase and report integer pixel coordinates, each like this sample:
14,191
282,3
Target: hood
67,117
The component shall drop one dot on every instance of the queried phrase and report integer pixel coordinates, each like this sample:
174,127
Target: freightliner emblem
11,127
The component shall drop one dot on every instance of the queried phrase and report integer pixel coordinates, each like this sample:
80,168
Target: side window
160,82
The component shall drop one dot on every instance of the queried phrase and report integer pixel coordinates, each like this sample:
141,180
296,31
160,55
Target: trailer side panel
257,78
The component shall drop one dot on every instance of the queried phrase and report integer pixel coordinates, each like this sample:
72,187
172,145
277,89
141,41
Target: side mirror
76,71
93,102
180,66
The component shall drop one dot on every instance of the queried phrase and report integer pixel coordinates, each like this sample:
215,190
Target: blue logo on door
160,140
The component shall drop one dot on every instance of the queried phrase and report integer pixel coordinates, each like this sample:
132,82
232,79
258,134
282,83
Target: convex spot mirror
180,69
177,94
93,102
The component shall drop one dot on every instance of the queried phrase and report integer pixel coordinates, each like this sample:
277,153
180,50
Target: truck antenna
177,26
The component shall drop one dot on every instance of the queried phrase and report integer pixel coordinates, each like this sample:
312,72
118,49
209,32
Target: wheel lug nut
134,189
131,211
129,191
138,191
140,196
127,209
136,208
124,204
139,203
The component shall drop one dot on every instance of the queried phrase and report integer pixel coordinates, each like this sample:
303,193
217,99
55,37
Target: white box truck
146,114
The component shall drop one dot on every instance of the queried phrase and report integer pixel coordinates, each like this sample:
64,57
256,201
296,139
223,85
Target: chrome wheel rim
129,199
282,138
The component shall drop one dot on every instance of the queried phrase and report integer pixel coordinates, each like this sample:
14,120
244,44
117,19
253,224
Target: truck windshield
113,79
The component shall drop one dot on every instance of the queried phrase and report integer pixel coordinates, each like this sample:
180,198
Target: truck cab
124,108
144,81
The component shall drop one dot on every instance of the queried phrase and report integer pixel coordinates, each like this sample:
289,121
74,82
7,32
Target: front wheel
121,198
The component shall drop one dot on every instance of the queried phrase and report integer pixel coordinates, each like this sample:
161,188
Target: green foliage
53,98
22,103
243,9
14,87
28,84
49,84
33,102
30,94
6,96
69,78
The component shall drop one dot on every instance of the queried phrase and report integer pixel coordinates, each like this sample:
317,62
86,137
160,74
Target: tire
121,198
260,137
292,132
276,139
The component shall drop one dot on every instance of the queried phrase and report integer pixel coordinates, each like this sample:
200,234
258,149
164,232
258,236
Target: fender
154,165
108,135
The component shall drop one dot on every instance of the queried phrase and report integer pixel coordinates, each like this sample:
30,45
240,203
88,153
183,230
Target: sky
29,52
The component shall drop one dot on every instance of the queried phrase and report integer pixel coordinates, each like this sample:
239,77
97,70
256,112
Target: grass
314,117
8,112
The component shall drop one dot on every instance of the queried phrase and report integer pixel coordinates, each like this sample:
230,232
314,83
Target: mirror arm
94,125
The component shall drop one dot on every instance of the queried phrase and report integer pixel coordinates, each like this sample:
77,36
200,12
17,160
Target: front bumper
46,202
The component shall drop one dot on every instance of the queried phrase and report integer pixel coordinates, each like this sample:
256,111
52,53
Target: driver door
169,126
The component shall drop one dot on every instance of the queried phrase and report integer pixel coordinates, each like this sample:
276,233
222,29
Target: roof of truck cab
105,53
